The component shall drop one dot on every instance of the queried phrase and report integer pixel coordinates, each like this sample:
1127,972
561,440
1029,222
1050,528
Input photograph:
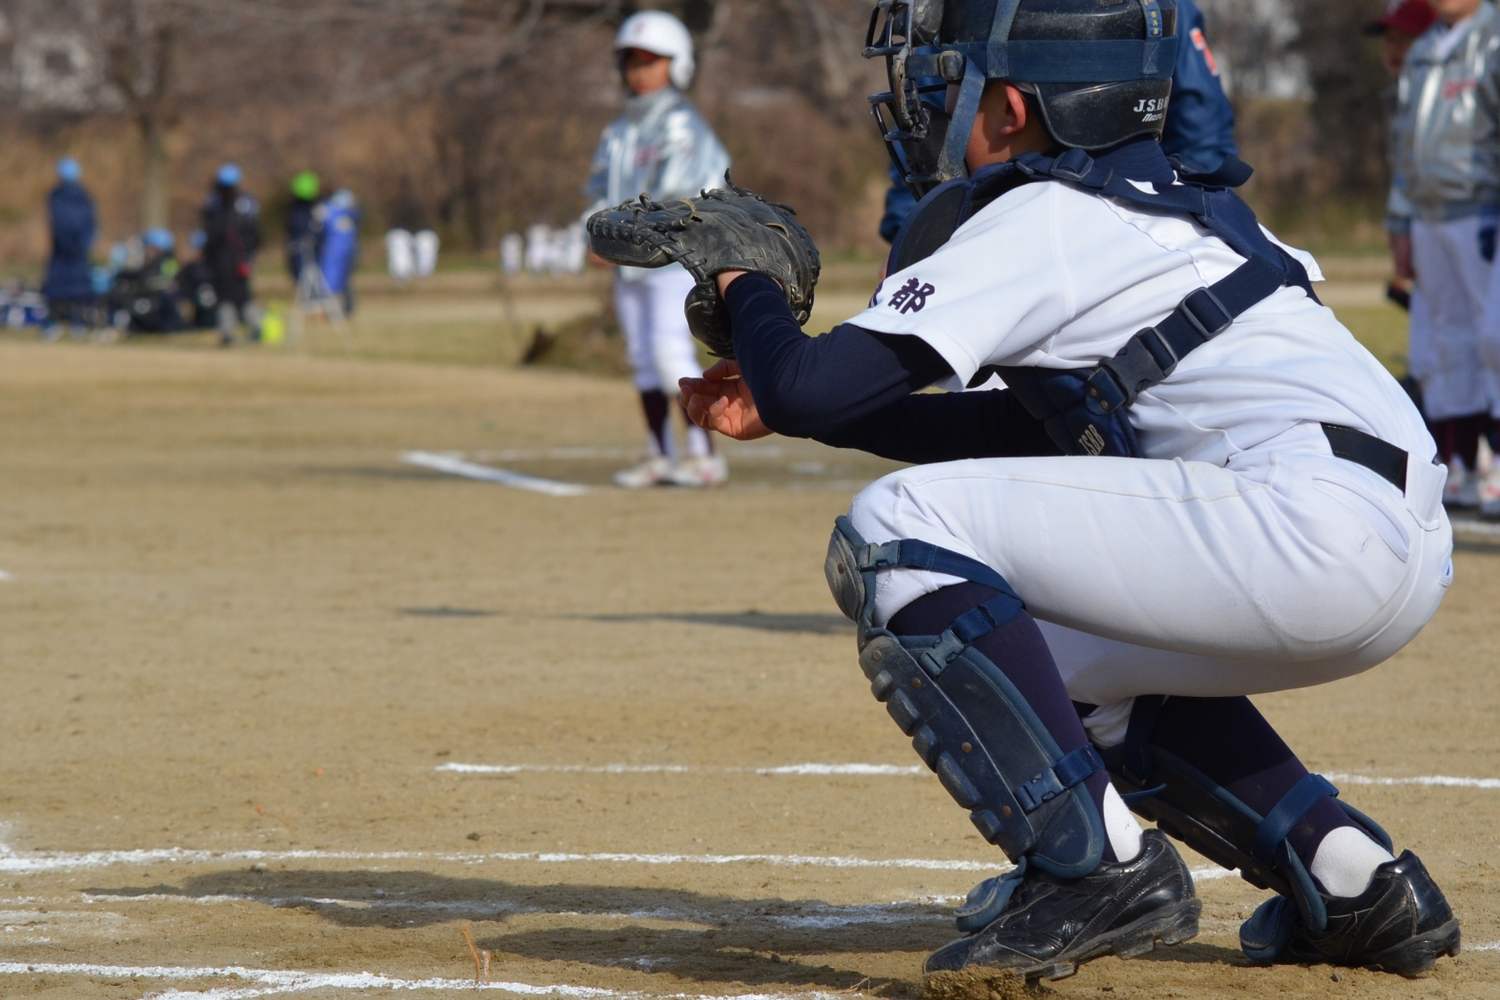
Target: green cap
305,185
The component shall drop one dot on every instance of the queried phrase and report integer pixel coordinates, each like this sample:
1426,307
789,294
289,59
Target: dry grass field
282,714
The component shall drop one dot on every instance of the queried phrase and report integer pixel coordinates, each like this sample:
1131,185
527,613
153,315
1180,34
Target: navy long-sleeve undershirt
853,388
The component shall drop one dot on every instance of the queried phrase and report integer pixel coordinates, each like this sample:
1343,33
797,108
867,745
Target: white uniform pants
658,343
1452,279
1489,334
1283,570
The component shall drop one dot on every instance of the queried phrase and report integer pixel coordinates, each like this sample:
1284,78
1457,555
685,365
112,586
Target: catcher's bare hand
721,401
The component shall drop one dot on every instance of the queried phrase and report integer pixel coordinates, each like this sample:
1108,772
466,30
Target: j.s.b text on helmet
1152,109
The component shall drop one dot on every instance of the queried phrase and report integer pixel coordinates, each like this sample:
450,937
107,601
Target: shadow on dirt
807,624
684,933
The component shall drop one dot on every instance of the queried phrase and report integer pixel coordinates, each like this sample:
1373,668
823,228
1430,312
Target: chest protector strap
1083,410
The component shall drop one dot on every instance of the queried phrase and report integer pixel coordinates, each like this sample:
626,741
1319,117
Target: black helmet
1099,70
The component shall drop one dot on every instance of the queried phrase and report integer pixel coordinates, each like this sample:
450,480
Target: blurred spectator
195,287
1403,23
231,229
69,286
301,223
338,247
144,299
1445,192
1199,133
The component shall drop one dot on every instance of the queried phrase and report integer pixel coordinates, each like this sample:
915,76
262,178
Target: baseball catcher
1180,481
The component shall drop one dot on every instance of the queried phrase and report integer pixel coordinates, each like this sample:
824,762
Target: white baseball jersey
1052,277
1240,555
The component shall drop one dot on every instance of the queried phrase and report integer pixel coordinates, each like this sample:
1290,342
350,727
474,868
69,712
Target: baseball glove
728,229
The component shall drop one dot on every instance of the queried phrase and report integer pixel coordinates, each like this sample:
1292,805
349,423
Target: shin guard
1191,806
965,718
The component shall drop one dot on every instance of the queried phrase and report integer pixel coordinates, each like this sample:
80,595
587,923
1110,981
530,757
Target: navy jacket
1200,122
70,212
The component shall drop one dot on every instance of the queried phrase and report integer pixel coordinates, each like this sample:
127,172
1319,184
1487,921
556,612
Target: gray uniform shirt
660,146
1446,134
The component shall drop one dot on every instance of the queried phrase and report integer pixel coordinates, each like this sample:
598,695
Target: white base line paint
57,861
1431,780
884,771
455,466
861,770
54,861
5,576
270,982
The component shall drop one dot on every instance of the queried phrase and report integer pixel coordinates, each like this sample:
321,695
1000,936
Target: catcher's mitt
727,229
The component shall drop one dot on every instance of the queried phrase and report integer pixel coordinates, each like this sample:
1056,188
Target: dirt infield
283,713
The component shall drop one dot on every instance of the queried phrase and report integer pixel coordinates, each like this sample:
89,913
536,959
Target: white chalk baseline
889,770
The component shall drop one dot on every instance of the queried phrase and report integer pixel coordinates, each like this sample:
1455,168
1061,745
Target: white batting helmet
659,32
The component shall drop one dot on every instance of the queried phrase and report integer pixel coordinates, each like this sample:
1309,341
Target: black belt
1380,457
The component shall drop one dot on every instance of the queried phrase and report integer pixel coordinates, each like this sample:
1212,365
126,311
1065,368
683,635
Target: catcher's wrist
727,278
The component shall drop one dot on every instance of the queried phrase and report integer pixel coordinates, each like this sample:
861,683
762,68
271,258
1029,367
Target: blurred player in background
68,287
231,230
1200,121
1445,193
1403,23
660,146
338,249
301,222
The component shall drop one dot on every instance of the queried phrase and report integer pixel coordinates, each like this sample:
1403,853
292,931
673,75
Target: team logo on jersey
912,296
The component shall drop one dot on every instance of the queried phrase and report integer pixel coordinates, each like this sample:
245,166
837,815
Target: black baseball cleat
1400,924
1046,927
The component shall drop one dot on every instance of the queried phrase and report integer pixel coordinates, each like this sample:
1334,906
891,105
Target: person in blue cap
69,287
231,229
1199,130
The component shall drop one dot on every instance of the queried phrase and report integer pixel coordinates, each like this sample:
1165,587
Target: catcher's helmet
659,32
1100,71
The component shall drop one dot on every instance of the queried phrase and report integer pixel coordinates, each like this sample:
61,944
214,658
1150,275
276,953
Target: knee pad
965,719
1187,804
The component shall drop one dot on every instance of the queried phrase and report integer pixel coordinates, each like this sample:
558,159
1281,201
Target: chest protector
1085,410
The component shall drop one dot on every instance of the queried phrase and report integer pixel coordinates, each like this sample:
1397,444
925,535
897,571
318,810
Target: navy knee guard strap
965,718
1189,805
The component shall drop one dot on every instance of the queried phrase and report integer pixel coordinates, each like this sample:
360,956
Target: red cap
1409,17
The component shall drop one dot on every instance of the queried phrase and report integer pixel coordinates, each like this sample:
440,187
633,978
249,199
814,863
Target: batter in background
1445,195
660,146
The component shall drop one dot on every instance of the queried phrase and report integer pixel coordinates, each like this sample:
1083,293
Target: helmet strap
961,123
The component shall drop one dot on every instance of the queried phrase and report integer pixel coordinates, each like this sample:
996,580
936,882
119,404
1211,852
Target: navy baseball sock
1231,742
1019,650
657,410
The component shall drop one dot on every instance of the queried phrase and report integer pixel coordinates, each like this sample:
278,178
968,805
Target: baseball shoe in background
654,471
700,471
1462,489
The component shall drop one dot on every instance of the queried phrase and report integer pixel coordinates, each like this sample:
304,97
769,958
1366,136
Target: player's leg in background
674,353
228,319
1445,348
630,300
1489,349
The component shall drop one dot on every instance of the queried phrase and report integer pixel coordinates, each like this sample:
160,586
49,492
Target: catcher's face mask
1094,70
911,115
